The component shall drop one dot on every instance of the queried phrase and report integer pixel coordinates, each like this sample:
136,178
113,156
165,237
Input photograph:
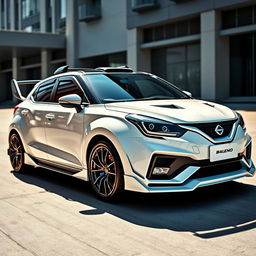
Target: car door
35,119
65,127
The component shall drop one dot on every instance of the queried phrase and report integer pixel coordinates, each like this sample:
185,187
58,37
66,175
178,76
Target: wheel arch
12,131
112,129
108,136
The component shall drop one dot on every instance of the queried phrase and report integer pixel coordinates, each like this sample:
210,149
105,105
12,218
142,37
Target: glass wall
61,15
180,65
243,65
30,15
108,60
172,30
29,8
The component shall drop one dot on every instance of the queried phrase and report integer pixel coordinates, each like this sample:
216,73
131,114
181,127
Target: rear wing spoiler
25,84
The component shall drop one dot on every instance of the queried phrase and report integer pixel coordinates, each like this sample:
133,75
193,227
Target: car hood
177,111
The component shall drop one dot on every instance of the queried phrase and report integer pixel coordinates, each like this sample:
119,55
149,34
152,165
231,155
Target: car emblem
219,130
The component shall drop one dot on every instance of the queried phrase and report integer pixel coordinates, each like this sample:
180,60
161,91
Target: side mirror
188,93
71,101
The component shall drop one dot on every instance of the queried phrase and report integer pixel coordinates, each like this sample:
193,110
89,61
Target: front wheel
105,171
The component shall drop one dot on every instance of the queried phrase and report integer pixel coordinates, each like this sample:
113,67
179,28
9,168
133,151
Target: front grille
213,170
209,128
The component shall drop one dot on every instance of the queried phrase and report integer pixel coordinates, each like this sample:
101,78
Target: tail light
15,109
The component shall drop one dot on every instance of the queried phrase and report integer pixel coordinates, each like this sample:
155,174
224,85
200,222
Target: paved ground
43,213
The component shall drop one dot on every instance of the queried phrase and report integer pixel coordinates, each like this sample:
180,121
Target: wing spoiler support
15,85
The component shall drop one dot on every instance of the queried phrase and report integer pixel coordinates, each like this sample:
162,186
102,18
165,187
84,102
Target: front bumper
185,182
198,171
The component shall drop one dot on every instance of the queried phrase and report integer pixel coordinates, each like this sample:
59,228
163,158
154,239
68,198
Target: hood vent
168,106
208,104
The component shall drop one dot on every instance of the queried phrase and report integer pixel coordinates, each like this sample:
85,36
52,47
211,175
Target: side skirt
67,170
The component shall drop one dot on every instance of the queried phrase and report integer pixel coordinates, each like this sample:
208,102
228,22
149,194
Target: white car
125,130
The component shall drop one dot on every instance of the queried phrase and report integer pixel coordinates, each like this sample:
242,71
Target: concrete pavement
43,213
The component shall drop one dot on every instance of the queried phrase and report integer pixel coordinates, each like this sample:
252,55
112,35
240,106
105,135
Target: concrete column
45,63
214,58
20,15
12,14
0,15
72,33
43,16
45,54
16,63
208,55
54,16
138,59
5,14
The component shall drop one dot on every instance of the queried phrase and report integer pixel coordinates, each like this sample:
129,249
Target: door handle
50,116
24,112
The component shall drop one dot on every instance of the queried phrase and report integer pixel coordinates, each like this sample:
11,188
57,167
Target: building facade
207,47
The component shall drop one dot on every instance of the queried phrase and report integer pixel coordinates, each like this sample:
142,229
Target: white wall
105,35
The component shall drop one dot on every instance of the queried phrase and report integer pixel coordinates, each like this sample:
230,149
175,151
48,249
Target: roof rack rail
115,69
64,69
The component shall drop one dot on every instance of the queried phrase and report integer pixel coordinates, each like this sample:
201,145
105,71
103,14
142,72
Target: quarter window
44,91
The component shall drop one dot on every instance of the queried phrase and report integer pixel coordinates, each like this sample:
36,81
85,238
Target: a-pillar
72,33
138,59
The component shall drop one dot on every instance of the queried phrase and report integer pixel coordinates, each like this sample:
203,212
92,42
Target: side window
44,91
68,86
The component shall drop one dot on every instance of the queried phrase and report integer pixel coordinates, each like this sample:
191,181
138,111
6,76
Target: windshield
132,87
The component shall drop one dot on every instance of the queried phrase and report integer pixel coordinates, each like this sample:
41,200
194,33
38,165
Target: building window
144,5
89,10
180,65
243,65
29,8
172,30
63,9
239,17
109,60
2,14
33,27
30,15
61,16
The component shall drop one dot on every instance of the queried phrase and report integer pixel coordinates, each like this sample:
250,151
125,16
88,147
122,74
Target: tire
105,171
16,153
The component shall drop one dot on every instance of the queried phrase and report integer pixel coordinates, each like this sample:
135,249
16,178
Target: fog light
160,170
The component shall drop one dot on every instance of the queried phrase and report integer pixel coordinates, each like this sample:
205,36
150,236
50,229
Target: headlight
240,120
155,127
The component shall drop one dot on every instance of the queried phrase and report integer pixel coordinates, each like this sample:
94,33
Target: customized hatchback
125,130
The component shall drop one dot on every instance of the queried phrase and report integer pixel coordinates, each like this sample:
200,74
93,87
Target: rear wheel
16,153
105,171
